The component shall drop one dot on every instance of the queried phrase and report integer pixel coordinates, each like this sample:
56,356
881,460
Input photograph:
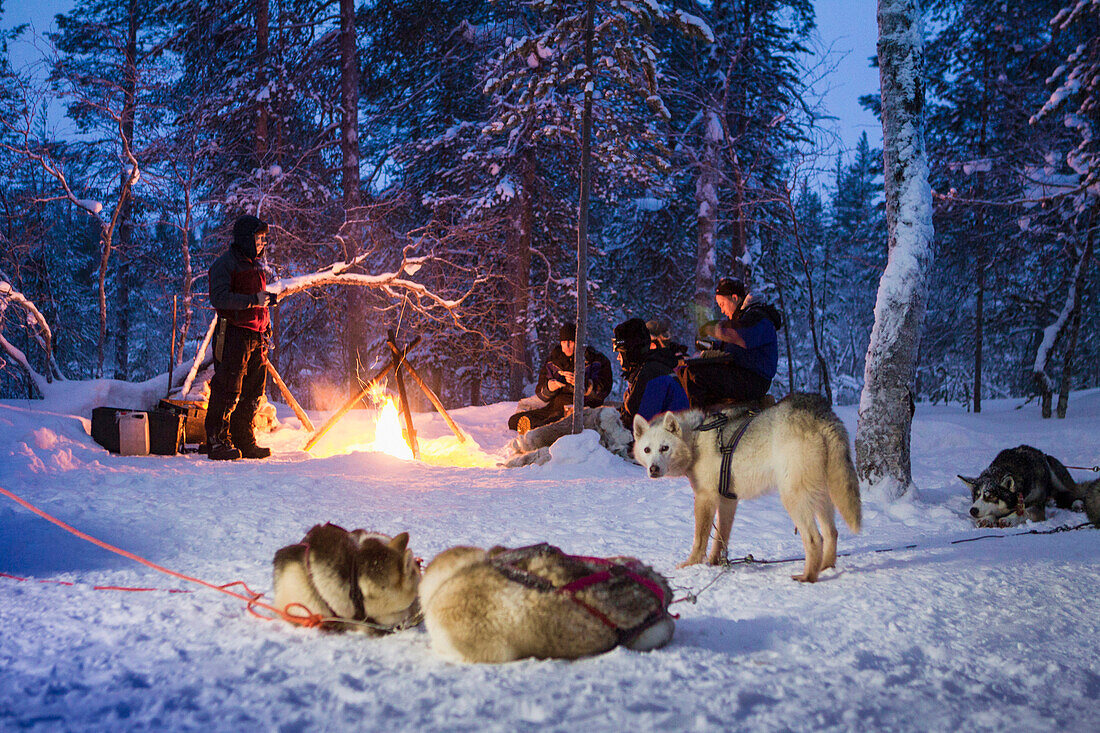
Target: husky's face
993,495
388,578
660,448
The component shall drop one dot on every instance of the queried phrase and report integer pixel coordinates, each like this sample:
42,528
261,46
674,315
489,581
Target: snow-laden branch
39,329
397,284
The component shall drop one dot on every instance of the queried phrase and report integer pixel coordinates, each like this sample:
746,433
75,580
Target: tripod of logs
400,366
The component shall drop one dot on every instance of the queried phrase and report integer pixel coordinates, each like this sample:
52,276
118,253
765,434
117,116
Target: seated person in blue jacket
556,382
747,346
652,386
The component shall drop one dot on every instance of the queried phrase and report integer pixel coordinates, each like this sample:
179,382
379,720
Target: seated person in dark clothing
556,382
747,346
652,386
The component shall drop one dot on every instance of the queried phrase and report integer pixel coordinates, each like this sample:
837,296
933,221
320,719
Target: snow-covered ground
995,634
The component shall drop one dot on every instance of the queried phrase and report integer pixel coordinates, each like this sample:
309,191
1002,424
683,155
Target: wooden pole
302,416
172,350
435,402
410,431
198,357
351,403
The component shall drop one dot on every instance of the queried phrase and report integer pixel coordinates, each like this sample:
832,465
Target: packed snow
915,630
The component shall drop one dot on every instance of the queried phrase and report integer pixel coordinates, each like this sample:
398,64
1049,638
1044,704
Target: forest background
425,156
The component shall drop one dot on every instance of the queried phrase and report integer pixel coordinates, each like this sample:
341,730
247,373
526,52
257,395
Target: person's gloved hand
264,298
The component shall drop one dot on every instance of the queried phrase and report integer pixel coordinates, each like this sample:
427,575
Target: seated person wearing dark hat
556,382
749,350
652,386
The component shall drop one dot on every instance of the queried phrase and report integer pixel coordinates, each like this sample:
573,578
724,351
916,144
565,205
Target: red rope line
252,599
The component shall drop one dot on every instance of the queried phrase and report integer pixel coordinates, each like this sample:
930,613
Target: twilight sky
846,27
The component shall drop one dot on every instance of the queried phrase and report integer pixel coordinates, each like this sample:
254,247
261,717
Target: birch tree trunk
706,201
883,431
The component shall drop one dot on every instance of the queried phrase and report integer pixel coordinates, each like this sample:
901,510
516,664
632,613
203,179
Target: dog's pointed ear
671,424
968,481
1009,482
400,542
640,426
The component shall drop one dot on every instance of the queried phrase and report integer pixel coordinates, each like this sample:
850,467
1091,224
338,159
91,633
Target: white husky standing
799,447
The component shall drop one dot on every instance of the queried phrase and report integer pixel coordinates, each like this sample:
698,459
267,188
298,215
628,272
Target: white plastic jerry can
133,434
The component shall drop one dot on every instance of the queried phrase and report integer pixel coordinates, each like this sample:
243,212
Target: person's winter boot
222,449
244,438
252,450
218,445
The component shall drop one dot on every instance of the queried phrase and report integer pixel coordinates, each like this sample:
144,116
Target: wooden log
410,431
379,376
302,416
435,402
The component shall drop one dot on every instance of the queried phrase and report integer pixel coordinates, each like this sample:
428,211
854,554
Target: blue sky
847,27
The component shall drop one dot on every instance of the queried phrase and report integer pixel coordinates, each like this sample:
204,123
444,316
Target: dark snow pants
710,382
237,386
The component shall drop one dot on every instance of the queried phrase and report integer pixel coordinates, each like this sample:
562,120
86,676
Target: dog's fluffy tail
843,483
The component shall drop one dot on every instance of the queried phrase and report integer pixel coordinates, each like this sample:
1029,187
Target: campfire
389,436
394,433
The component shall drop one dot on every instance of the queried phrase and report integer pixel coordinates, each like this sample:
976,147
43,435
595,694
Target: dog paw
689,562
805,577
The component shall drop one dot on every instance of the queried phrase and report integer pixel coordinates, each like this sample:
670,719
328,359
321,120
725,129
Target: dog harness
510,564
719,421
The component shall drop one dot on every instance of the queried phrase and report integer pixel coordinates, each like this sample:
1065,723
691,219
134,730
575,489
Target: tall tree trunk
706,202
354,302
1043,383
582,223
520,279
883,432
125,226
263,113
1075,325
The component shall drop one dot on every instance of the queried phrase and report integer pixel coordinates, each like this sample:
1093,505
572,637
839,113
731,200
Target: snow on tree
885,409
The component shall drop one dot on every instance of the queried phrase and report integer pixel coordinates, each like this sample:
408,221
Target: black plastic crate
165,432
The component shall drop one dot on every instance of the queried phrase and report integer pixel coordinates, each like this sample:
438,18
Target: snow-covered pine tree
885,410
986,67
1077,91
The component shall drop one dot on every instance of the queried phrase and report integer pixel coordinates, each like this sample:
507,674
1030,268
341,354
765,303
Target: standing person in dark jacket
652,386
748,346
555,385
237,292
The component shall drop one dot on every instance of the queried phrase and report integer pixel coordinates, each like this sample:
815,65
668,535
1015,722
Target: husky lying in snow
501,605
355,580
1018,484
798,446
